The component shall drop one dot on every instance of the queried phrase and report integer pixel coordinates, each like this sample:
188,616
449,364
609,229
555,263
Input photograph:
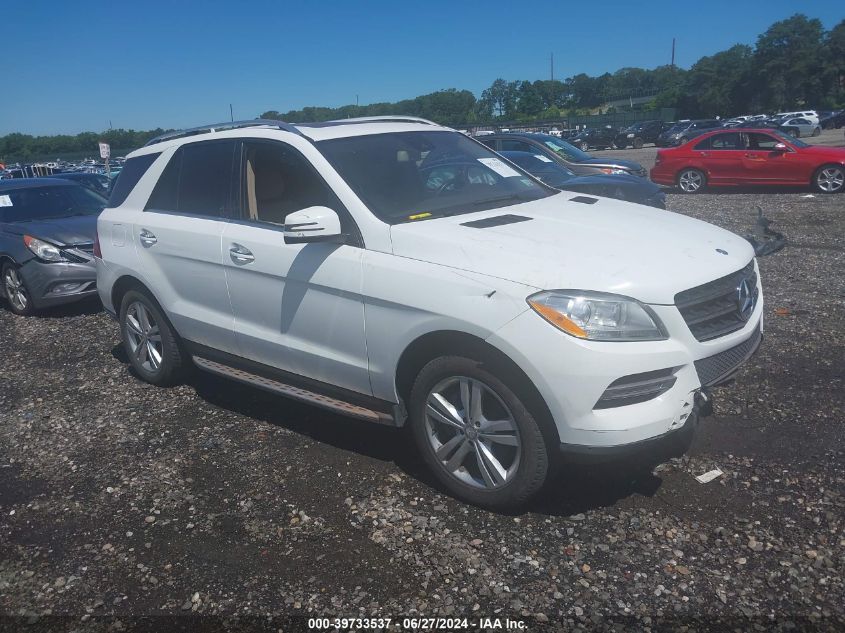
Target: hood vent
584,199
499,220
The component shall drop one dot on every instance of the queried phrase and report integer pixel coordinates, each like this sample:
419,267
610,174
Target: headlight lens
598,316
43,250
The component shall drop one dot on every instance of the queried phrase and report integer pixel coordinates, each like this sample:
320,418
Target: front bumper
572,375
58,283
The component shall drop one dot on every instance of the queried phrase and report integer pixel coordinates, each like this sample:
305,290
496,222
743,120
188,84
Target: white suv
402,273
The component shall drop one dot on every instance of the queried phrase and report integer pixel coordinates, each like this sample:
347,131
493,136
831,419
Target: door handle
241,254
147,238
704,154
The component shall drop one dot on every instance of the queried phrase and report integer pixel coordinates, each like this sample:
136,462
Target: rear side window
197,180
129,176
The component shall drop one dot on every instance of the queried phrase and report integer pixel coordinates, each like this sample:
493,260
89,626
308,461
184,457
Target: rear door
178,237
721,155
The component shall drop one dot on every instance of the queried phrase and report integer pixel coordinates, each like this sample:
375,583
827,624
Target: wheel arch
439,343
124,284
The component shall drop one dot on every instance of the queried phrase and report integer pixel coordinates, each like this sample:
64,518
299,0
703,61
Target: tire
15,291
829,179
149,340
520,458
638,143
816,131
584,146
691,180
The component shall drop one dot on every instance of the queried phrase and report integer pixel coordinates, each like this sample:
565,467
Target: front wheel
638,143
829,179
150,341
816,131
476,435
691,180
14,289
584,146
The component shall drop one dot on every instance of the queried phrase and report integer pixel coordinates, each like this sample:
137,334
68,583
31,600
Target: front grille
719,367
711,310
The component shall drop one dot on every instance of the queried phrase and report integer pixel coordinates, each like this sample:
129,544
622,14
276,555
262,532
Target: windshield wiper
513,196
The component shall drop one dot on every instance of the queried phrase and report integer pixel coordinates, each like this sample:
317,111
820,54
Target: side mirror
781,147
314,224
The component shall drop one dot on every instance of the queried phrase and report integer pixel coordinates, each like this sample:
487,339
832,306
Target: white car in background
398,272
811,115
799,127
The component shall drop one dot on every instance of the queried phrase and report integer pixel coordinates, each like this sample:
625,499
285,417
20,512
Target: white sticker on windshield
499,167
545,159
5,201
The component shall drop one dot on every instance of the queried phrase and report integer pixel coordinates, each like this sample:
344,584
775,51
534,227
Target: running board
297,393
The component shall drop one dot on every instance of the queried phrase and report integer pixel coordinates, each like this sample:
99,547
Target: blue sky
74,66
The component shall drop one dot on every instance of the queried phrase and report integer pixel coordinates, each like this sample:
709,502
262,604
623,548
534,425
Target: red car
730,157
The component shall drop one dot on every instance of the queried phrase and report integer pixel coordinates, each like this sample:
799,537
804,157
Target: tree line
794,64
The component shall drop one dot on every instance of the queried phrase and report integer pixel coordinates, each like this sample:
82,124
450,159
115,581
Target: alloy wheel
690,181
831,179
472,432
15,290
144,337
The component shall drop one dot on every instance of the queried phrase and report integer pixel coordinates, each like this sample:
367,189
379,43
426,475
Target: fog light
61,289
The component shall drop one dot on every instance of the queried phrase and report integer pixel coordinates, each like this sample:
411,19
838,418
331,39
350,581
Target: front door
177,238
297,307
763,163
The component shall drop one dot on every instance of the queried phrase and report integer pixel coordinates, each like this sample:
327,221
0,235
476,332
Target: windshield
564,149
408,176
541,167
41,203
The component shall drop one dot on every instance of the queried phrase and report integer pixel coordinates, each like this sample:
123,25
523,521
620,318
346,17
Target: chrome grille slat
710,310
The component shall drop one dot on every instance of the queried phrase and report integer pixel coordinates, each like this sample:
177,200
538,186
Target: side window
725,141
703,145
515,146
129,176
756,140
278,180
488,142
197,180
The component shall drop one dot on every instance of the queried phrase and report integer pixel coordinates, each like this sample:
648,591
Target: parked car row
398,272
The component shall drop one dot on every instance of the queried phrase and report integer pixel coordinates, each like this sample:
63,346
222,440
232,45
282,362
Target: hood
609,246
613,162
64,231
611,180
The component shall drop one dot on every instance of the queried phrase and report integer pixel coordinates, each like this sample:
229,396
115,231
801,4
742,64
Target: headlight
630,135
43,250
612,170
598,316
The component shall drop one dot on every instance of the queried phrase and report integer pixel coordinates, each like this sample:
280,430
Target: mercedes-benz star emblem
744,300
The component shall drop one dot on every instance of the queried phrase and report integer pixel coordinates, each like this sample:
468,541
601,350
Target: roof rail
220,127
371,119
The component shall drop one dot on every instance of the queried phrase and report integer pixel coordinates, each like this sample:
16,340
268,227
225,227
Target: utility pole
673,52
552,61
231,114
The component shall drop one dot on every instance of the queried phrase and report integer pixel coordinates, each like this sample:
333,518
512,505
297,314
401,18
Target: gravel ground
120,501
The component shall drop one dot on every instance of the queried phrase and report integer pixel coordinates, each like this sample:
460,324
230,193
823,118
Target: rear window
129,176
197,180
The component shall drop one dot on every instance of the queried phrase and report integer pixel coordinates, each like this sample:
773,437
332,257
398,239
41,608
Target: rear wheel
150,341
816,131
691,180
829,179
584,146
476,435
14,289
638,143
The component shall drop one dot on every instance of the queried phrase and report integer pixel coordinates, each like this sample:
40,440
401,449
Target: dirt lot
120,501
